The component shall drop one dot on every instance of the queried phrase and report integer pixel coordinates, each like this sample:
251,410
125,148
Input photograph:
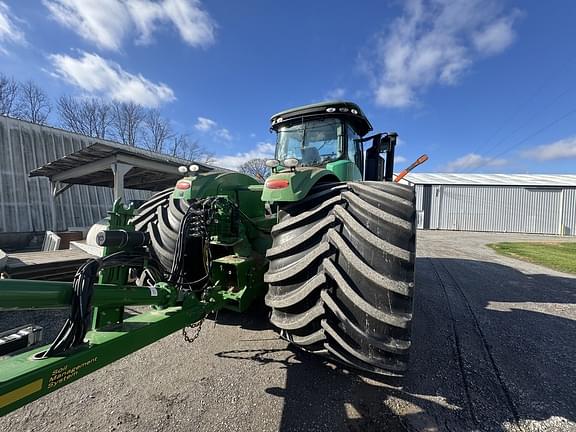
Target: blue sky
478,85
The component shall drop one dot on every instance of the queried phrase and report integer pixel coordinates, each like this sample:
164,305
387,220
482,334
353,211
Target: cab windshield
314,142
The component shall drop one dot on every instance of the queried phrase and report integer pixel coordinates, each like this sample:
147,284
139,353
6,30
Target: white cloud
96,75
471,161
205,124
224,134
434,42
335,94
400,159
9,31
107,23
496,37
193,23
562,149
104,23
263,150
144,15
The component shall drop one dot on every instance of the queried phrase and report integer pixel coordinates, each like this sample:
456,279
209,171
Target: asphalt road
494,348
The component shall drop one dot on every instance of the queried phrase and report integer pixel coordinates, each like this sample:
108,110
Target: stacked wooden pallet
55,265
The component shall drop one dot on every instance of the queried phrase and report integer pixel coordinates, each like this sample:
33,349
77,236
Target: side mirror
388,142
388,145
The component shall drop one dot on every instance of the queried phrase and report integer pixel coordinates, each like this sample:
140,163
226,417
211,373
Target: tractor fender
292,186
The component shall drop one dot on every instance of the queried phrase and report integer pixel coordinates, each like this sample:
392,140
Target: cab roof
348,111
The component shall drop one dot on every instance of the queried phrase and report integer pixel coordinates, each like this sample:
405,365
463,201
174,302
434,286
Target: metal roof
92,166
541,180
339,109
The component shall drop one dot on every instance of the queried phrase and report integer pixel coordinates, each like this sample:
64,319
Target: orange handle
418,161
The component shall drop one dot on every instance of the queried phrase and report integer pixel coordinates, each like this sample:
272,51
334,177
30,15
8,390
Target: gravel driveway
494,349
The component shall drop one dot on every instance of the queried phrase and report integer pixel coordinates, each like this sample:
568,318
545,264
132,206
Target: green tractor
328,241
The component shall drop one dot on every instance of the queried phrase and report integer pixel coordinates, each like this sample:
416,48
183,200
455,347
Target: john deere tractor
328,241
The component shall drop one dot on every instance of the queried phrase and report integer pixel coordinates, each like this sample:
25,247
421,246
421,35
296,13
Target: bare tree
209,157
157,131
256,168
183,148
8,95
33,103
92,117
179,142
127,123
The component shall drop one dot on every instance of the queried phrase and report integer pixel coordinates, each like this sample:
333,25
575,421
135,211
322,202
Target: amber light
182,185
277,184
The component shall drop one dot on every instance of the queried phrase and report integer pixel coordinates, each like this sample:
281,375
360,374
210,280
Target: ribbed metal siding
569,214
26,203
420,214
419,190
497,208
435,204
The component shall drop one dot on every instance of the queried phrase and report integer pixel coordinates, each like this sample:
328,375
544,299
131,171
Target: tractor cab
330,136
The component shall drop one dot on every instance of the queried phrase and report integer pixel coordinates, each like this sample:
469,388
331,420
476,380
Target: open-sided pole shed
117,166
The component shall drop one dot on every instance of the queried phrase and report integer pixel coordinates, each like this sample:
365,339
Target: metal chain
200,228
198,326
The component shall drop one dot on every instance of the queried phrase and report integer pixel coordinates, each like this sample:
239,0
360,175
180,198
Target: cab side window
354,152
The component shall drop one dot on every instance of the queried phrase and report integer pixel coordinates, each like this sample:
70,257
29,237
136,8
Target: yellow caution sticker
20,393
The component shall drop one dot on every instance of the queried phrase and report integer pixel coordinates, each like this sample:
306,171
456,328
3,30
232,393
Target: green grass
555,255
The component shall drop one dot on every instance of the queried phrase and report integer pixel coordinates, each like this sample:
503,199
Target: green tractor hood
290,186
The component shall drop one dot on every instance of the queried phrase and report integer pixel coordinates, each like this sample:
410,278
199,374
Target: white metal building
519,203
26,204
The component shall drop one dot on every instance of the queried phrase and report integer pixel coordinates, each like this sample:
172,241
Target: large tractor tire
161,216
341,275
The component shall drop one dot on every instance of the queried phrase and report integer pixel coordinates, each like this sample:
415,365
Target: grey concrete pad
493,349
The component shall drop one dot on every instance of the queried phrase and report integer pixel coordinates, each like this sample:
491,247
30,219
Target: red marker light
182,185
277,184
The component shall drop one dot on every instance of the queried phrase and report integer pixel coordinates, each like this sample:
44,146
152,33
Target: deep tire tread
161,217
341,274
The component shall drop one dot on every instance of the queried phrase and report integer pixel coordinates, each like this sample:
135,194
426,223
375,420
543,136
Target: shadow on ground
319,397
493,349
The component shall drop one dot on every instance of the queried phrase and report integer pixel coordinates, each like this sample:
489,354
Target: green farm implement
328,241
